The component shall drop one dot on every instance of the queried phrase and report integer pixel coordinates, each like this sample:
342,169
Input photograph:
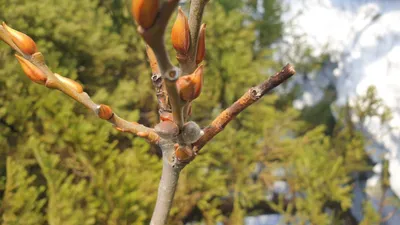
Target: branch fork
180,140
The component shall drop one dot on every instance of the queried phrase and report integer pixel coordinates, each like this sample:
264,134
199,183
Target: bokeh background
321,149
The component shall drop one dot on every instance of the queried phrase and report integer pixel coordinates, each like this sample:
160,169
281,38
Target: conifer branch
195,18
36,69
250,97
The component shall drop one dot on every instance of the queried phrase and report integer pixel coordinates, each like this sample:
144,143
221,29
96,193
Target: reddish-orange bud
201,46
189,86
180,34
183,153
105,112
21,40
70,83
145,12
165,116
34,73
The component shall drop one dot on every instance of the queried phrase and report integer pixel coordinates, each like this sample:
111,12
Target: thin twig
37,59
154,37
158,83
195,17
250,97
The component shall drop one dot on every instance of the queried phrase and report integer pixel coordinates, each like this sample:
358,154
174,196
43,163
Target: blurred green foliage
61,165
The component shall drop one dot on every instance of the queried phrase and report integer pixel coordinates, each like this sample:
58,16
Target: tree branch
250,97
168,183
154,37
195,18
158,83
76,92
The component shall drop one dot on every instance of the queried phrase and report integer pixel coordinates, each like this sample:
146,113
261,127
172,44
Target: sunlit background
324,148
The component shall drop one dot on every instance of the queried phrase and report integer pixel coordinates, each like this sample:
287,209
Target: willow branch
76,92
158,83
119,123
250,97
167,186
195,18
154,37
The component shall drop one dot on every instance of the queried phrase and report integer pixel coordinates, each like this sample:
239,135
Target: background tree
63,166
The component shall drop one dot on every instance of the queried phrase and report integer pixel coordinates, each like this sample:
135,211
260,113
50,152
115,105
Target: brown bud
105,112
180,34
167,129
34,73
70,83
189,86
165,116
145,12
201,46
183,153
21,40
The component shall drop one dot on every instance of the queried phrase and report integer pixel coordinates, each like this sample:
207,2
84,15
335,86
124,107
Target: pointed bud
105,112
167,129
34,73
191,132
21,40
70,83
165,116
189,86
201,46
180,34
183,153
145,12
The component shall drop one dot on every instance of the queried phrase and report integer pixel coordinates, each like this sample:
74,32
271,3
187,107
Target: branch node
172,74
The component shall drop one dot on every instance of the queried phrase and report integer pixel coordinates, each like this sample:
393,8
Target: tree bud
105,112
180,34
183,153
191,132
167,129
34,73
21,40
189,86
201,46
70,83
145,12
166,116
